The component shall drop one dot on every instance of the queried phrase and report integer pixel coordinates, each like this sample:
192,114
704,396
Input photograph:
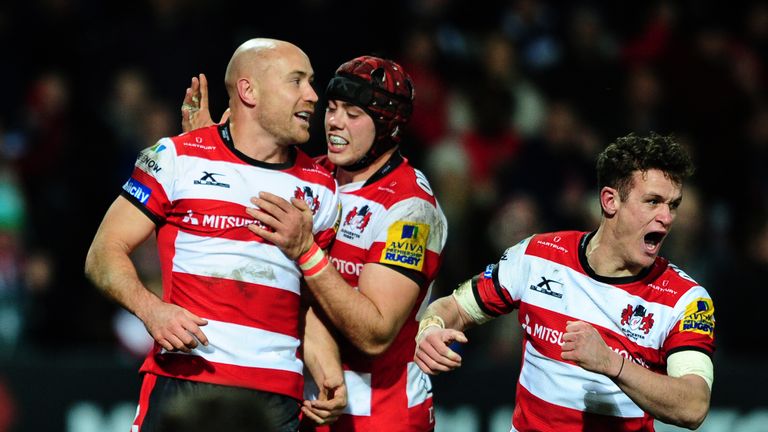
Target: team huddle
303,285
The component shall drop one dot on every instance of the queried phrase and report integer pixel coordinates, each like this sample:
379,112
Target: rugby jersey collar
585,238
226,136
394,161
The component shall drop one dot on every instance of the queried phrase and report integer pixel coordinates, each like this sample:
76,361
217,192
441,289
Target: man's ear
247,90
610,201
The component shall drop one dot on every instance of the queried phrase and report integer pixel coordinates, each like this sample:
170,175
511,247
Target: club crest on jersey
636,322
358,219
699,317
308,196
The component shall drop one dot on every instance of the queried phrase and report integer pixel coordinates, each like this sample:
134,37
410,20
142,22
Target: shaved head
252,58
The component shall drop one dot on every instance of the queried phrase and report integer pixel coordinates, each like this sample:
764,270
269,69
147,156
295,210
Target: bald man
230,313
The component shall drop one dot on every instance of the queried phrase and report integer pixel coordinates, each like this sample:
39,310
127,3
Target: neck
253,141
605,258
345,177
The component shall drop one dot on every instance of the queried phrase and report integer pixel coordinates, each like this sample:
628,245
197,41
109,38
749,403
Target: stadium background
514,99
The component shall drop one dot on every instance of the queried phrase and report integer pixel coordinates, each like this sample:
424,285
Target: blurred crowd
514,99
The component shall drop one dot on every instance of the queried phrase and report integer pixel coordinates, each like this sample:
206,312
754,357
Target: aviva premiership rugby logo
699,317
308,196
638,320
406,245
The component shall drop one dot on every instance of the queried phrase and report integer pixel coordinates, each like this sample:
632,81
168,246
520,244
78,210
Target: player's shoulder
313,170
202,142
676,282
406,182
555,243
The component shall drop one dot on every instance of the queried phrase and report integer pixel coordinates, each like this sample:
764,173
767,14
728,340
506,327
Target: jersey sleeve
498,289
327,219
150,187
411,237
694,326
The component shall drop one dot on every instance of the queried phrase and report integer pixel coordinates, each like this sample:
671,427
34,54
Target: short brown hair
631,153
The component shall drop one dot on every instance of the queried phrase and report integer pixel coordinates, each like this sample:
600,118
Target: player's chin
339,159
301,137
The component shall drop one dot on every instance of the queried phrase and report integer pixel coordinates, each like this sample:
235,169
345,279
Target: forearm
350,311
321,352
110,269
682,401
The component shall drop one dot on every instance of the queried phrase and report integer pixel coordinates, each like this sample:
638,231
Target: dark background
514,100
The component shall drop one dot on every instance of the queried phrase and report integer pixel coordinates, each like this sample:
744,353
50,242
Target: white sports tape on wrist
466,299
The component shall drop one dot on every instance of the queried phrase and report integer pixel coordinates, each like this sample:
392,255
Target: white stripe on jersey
414,209
556,382
589,300
239,345
359,392
419,387
247,261
279,183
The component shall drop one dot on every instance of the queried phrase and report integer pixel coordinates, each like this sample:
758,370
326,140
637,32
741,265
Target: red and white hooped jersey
395,220
644,318
196,187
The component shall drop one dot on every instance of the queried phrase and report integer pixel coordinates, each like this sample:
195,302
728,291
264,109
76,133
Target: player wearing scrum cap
391,234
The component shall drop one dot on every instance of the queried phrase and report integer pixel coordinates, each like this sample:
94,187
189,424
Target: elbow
691,418
90,265
375,345
91,269
375,348
697,418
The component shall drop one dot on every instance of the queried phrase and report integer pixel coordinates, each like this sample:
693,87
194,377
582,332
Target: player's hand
174,328
583,345
433,354
329,404
291,223
194,110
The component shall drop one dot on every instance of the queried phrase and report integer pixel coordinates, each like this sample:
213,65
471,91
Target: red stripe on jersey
224,219
534,414
204,143
348,260
238,302
196,368
216,219
665,284
325,238
158,202
147,385
494,299
547,328
416,421
561,247
166,250
392,404
686,339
